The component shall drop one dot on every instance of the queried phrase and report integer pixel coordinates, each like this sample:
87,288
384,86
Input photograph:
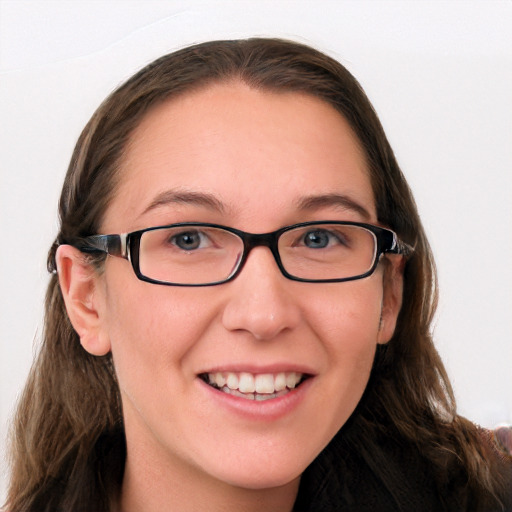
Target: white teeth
261,398
220,379
292,379
280,382
261,386
235,392
264,383
232,381
246,383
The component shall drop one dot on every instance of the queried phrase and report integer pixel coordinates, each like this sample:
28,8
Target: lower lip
264,410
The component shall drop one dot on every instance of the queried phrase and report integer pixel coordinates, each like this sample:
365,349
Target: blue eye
187,241
317,239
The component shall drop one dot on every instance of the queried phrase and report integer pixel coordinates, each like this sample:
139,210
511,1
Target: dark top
397,479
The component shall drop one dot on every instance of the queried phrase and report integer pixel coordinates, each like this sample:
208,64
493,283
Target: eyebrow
210,202
186,197
332,200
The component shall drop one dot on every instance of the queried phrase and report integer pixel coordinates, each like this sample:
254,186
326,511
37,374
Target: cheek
151,336
347,321
347,315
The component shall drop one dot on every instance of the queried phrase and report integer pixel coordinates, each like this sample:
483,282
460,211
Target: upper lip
258,369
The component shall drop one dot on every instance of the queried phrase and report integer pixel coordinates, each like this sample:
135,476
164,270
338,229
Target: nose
260,300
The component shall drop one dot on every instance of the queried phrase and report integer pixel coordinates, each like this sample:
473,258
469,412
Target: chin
259,477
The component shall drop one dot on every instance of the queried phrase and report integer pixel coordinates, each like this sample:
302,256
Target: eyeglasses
191,254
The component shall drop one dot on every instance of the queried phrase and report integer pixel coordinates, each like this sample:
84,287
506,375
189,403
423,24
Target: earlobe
79,284
392,298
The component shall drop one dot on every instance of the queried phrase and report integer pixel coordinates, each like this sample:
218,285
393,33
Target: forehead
252,150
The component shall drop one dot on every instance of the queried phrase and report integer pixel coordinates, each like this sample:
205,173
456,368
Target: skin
258,154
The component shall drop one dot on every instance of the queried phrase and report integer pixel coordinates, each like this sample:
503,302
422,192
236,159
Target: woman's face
256,161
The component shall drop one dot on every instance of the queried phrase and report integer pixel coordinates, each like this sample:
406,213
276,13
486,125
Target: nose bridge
259,302
269,240
264,239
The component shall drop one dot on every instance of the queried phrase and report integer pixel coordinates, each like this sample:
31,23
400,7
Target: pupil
317,239
188,241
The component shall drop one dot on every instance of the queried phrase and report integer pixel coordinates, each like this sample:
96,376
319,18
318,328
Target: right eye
189,240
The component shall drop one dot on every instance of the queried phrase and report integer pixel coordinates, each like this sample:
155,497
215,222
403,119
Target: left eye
188,240
319,239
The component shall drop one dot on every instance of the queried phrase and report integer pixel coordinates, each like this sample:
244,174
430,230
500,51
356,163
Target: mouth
259,387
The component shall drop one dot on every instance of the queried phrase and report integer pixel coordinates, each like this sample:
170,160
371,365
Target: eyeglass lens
204,254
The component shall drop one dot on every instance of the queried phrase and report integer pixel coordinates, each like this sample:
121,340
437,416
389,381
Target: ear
83,295
393,283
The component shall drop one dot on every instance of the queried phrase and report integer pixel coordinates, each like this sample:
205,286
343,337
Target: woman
258,336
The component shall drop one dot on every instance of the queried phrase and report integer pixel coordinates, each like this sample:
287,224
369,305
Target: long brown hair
68,446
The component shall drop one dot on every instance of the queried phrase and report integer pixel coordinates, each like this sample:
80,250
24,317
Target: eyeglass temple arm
115,245
400,247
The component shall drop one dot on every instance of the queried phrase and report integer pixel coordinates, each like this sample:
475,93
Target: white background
439,74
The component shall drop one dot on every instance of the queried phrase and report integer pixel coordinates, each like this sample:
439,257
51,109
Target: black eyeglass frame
127,246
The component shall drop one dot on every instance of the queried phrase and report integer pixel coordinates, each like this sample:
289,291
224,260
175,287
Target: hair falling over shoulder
68,449
68,442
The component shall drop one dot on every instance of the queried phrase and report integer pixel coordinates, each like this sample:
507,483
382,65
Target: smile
250,386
